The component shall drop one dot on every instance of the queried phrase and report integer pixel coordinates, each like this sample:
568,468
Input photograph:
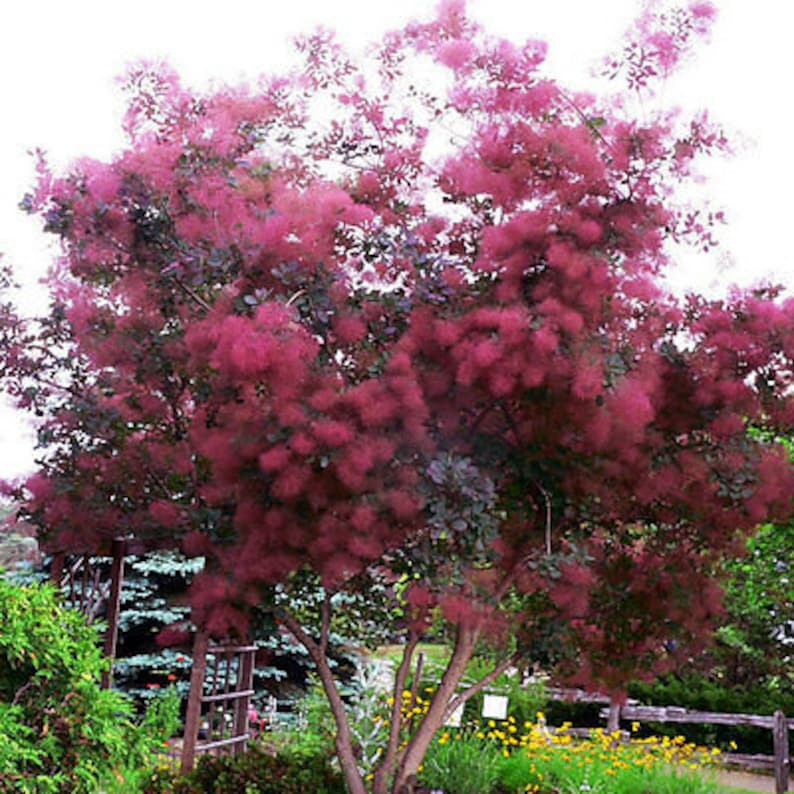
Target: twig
295,297
21,691
588,122
192,294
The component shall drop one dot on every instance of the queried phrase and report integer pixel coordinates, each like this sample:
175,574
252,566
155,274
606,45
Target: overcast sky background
59,61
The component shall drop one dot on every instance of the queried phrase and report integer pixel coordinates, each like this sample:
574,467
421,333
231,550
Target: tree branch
506,584
511,423
387,765
344,735
289,620
479,418
414,752
458,700
547,499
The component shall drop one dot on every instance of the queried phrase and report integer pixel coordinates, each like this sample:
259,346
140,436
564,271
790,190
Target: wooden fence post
193,716
781,746
613,720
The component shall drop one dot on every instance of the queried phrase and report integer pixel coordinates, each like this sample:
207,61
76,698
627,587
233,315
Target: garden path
744,781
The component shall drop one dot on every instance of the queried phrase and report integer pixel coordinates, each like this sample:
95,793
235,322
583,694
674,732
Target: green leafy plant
256,772
466,765
146,741
59,731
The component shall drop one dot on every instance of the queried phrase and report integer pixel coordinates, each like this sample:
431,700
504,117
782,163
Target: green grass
436,654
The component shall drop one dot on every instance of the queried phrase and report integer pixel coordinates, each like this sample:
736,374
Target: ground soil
746,781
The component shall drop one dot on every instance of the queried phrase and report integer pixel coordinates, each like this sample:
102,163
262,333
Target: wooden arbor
221,682
221,686
86,589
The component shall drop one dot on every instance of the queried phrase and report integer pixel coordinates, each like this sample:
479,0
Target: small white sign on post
494,707
454,719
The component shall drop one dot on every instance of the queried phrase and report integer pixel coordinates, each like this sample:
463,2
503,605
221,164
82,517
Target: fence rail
780,726
677,714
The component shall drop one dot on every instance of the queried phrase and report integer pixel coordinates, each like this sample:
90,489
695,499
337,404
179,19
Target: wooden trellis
86,589
221,681
221,686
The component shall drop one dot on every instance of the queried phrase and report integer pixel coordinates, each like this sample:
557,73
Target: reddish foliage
267,326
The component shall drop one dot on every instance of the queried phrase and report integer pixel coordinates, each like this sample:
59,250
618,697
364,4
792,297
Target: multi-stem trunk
385,769
344,737
413,754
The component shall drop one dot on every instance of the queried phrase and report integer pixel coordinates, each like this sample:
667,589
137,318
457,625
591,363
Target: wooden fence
780,762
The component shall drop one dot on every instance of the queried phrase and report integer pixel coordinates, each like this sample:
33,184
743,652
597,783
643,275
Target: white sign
494,707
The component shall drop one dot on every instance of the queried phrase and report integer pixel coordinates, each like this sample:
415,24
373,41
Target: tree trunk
414,753
386,766
344,736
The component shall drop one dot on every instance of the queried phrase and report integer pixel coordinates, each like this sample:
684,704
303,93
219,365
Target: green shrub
255,772
145,744
59,731
698,692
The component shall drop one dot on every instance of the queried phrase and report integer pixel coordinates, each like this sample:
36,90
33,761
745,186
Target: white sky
59,60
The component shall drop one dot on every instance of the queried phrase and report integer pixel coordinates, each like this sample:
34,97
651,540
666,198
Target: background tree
756,643
349,325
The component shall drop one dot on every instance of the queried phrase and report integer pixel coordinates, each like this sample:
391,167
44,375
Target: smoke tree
401,323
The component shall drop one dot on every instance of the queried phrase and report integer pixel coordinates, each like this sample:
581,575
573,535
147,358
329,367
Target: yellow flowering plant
505,755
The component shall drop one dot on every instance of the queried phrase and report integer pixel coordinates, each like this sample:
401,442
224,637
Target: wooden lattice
221,686
87,587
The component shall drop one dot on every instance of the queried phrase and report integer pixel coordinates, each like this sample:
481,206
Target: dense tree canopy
404,321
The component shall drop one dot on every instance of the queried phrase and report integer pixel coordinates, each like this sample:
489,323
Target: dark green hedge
698,692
